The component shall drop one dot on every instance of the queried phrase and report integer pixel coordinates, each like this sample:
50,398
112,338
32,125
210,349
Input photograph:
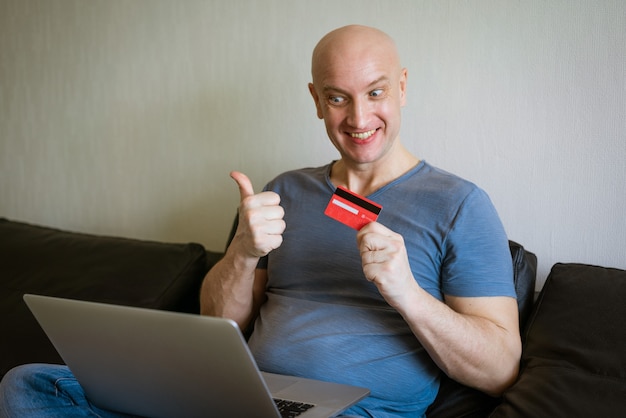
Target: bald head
352,44
359,89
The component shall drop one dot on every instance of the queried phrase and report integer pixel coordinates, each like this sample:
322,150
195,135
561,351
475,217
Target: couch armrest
574,360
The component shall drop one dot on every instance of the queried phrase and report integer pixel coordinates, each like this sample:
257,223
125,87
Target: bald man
426,288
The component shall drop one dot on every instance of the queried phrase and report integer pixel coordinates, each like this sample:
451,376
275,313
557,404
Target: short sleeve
477,260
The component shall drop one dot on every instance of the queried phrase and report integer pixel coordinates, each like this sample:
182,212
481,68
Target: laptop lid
163,364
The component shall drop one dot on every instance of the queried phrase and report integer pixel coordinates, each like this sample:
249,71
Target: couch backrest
524,276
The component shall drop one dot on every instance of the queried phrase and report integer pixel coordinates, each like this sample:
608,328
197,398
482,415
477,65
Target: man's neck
365,179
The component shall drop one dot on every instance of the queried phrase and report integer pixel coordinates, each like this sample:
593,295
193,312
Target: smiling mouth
363,135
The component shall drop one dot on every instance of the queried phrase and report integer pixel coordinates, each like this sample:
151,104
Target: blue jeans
45,390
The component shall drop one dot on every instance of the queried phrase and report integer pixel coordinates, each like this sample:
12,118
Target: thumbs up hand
261,223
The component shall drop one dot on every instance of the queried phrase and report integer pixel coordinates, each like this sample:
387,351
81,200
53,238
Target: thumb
245,186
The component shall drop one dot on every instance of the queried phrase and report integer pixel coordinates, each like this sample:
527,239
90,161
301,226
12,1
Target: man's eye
376,93
336,99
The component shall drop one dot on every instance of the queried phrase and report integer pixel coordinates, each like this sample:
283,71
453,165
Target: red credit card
351,209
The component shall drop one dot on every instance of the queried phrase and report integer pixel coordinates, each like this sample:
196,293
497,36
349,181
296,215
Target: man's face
360,97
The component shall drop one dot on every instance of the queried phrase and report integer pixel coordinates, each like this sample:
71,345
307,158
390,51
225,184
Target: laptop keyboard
291,409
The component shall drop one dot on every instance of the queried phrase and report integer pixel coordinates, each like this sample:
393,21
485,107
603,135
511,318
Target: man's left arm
474,340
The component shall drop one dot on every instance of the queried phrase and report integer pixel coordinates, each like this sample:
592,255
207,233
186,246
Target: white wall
125,117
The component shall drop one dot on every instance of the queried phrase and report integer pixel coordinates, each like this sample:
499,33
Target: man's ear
403,78
316,99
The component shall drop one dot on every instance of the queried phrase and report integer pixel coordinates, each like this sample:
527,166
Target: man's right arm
234,288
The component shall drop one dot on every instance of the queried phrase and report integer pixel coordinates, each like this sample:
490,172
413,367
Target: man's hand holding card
383,253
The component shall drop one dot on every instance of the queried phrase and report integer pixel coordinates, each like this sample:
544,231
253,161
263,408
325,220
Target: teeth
363,135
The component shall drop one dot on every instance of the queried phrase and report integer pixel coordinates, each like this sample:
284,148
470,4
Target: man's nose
357,117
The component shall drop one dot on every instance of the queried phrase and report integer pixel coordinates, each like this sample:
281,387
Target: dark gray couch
36,259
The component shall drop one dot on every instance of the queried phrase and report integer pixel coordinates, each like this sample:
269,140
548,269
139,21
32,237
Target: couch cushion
574,357
35,259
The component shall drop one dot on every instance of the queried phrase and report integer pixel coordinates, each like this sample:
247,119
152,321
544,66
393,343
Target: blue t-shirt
324,320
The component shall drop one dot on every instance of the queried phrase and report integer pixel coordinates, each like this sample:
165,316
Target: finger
244,184
376,227
373,236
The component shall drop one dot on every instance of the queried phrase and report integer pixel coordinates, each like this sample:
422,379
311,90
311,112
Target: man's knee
17,378
25,387
29,375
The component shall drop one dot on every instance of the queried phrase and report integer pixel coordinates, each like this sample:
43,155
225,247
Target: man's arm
234,288
474,340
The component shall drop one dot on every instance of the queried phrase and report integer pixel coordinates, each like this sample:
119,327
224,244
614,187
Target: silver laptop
155,363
